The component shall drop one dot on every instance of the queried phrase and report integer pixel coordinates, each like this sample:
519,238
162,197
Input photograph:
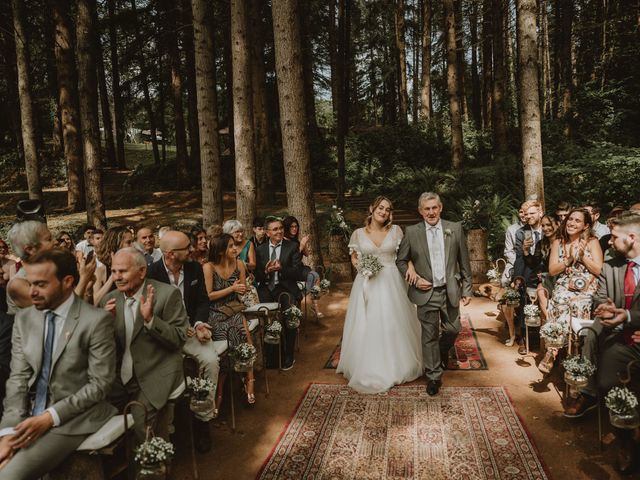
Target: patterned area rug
466,346
462,433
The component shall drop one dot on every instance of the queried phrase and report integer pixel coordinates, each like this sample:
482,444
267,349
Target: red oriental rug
461,433
466,345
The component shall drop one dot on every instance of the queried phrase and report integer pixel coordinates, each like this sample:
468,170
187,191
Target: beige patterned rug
462,433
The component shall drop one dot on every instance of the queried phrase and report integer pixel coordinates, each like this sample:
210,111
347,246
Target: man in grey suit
64,351
151,328
438,250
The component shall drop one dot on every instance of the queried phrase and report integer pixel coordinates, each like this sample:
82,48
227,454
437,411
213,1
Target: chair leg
192,447
233,407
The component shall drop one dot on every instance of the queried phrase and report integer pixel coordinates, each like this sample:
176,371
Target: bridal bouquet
368,265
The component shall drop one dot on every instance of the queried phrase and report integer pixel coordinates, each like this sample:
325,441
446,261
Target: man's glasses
181,249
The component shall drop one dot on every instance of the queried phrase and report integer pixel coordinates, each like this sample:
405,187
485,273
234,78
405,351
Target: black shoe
432,387
201,436
288,365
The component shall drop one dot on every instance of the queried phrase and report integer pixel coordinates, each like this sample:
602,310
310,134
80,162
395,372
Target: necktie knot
631,264
50,316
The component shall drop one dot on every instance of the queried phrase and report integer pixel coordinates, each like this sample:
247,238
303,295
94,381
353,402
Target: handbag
232,308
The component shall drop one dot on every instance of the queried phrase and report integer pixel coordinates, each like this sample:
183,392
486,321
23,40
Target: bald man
174,268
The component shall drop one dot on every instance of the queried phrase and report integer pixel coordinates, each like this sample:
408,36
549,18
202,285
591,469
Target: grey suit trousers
434,315
44,455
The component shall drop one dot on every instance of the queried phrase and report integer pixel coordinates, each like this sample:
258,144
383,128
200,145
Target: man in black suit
278,269
175,269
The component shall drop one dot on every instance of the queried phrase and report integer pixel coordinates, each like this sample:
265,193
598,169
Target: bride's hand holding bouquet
368,265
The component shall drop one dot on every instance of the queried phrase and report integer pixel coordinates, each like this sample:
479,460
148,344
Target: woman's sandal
546,364
251,397
510,342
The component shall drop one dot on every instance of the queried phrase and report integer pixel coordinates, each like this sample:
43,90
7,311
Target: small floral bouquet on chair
493,275
532,315
577,370
622,404
200,389
511,297
318,290
244,356
554,333
368,265
292,316
152,457
272,332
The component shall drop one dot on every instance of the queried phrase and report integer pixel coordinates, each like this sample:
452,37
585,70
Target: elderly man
438,250
146,243
151,328
175,268
64,350
27,239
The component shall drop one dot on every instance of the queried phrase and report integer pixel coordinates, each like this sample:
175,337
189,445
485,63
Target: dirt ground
569,448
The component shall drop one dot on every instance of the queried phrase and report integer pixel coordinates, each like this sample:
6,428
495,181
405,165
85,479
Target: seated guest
617,344
7,270
278,269
225,278
70,387
65,241
510,244
562,210
292,233
175,269
151,328
115,239
599,229
576,262
539,261
609,252
259,235
84,245
245,247
146,243
200,251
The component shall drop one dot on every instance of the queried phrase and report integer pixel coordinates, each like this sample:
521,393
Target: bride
381,338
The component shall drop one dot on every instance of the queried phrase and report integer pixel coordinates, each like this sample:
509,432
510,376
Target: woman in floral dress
575,261
225,279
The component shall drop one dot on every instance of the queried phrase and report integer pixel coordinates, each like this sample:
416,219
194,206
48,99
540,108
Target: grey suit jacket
611,282
82,369
156,351
414,247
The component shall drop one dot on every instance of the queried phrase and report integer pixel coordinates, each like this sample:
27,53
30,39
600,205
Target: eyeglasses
180,249
276,229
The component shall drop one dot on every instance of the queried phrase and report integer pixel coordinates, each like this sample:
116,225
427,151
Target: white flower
274,328
579,366
447,232
493,274
200,386
553,331
621,401
531,310
153,451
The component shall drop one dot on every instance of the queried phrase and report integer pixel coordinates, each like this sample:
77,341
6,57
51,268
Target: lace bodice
361,243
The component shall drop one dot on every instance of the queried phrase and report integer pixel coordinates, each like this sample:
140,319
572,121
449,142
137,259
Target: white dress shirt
437,264
278,250
600,230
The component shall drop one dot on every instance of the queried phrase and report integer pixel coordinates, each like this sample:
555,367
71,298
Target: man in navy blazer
278,270
174,268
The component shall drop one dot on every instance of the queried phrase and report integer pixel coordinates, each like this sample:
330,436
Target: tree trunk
425,92
530,100
415,70
566,70
460,55
144,81
401,50
545,60
487,65
12,103
333,55
118,108
242,116
457,147
476,101
295,143
307,69
88,94
171,41
192,102
162,101
68,101
27,114
261,131
343,96
105,109
207,113
500,145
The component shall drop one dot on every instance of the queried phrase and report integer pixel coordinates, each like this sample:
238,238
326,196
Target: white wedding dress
381,341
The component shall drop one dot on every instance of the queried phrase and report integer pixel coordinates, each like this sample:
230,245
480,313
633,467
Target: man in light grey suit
63,350
438,250
151,328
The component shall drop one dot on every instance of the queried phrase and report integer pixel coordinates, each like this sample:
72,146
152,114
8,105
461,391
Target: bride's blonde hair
373,206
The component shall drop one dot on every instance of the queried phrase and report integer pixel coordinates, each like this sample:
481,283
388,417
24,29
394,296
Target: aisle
569,448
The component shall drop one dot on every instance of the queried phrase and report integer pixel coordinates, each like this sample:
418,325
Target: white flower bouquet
493,275
554,333
154,451
511,296
200,387
337,223
316,292
621,401
531,310
368,265
244,351
578,366
325,284
272,332
292,316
